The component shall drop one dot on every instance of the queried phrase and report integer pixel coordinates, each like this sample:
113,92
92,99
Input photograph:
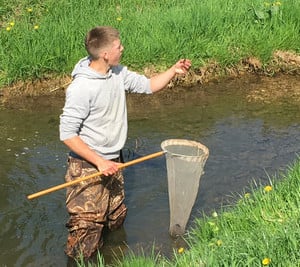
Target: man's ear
104,54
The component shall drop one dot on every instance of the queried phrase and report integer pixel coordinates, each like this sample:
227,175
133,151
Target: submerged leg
84,241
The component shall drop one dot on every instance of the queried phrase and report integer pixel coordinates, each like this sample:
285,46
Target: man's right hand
107,167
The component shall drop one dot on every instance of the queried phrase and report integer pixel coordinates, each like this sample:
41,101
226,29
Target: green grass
153,32
263,225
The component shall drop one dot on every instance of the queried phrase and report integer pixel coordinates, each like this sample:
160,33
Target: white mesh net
185,162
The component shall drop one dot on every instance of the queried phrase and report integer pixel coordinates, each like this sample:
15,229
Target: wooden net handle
81,179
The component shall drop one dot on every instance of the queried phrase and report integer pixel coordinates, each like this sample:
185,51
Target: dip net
185,162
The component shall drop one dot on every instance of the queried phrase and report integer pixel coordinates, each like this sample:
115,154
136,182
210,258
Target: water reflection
247,141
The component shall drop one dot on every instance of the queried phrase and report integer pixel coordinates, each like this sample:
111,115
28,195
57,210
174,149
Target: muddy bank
27,93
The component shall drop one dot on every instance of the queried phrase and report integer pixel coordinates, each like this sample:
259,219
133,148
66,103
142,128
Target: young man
93,126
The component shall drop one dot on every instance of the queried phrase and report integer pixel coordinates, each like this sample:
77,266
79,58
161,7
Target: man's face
114,53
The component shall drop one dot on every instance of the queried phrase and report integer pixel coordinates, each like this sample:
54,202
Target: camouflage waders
92,205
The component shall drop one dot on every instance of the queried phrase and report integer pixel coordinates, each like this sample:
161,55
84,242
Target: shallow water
248,142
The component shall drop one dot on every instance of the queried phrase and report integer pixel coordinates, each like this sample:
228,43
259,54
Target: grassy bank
39,39
262,229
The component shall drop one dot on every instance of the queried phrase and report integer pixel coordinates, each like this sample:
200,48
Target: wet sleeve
76,109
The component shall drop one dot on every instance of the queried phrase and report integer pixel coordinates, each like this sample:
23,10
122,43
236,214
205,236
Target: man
93,125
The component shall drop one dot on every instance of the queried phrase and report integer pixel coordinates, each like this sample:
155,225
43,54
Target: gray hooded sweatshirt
95,107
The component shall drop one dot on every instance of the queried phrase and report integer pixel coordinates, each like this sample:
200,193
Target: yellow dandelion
247,195
268,188
266,261
29,9
8,28
36,27
219,242
119,18
12,24
277,3
180,250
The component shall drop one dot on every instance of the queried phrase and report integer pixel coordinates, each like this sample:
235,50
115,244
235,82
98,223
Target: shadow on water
248,141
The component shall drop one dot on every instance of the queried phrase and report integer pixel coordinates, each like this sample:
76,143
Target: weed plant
38,39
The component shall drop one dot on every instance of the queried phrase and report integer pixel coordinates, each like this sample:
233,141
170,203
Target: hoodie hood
83,69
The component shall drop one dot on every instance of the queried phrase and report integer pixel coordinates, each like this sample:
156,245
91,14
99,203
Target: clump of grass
132,260
39,39
83,262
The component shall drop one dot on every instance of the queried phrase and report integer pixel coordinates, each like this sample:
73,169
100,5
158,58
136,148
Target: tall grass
41,38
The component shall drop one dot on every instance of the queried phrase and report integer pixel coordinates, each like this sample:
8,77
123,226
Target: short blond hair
98,38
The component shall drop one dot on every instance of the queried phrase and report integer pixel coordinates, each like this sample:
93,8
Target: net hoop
182,142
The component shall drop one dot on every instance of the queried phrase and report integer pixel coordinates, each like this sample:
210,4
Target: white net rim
183,142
